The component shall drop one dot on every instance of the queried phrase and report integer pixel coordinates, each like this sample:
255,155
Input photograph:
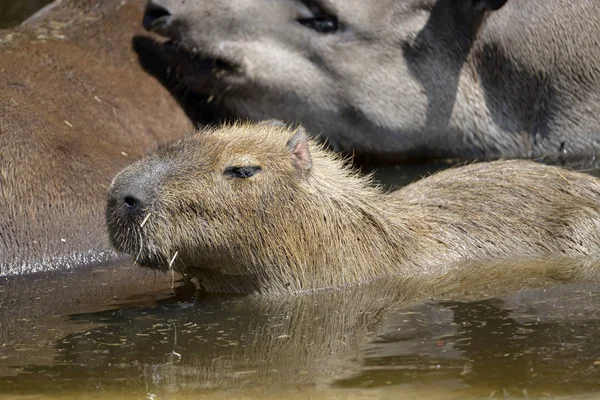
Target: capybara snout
131,197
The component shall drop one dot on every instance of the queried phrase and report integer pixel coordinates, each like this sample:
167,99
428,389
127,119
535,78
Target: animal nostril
155,15
132,203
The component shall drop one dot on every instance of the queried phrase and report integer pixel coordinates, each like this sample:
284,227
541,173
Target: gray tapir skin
391,80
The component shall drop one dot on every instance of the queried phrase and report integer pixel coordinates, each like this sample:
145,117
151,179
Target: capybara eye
241,172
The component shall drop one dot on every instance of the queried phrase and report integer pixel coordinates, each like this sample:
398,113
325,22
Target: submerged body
390,80
261,208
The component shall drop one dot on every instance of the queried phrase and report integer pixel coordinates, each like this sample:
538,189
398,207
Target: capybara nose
129,199
133,192
133,204
155,16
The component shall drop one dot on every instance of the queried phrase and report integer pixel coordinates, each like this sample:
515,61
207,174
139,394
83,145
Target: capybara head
241,200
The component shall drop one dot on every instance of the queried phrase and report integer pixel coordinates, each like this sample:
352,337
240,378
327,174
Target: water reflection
546,344
544,340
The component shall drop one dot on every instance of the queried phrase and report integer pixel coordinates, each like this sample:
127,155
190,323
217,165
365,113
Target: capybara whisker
173,260
145,220
141,244
172,285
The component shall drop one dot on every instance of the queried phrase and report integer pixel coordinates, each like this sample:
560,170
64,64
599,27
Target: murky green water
368,341
12,12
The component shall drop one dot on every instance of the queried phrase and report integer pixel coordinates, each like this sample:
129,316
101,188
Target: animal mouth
134,241
195,64
143,253
156,263
199,69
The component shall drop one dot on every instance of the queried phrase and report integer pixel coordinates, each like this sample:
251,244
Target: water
377,340
12,12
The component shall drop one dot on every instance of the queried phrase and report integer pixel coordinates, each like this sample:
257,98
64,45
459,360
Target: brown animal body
400,79
75,108
259,208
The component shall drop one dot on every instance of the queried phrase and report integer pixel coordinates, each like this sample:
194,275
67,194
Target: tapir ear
298,146
488,5
474,11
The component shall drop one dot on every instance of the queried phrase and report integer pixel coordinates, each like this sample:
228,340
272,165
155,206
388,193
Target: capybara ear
298,146
273,122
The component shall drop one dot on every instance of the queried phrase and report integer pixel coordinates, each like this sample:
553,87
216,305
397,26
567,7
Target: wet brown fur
75,108
290,229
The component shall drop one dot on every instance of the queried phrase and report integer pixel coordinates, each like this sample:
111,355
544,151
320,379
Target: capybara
264,209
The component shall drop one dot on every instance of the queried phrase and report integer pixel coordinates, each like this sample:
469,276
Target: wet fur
288,229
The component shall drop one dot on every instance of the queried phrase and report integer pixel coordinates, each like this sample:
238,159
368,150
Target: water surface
13,12
371,340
